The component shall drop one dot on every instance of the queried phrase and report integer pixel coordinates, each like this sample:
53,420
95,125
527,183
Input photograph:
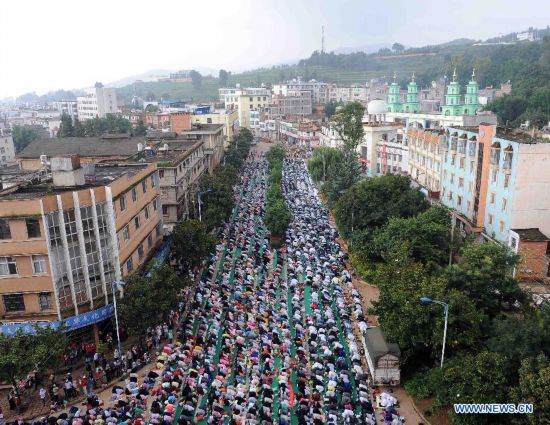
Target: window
494,175
460,182
472,167
153,180
154,204
8,266
126,233
469,206
492,198
453,159
134,194
141,251
459,200
452,178
451,195
470,187
506,180
137,222
490,218
504,204
45,300
122,202
150,240
146,210
161,173
501,226
164,210
158,230
14,302
129,265
33,227
144,185
5,232
39,264
462,163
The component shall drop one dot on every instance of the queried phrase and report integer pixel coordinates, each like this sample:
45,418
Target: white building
355,93
68,107
383,149
319,90
7,148
527,36
98,102
329,137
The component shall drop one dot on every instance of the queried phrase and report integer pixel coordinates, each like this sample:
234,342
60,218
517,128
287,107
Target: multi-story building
319,90
329,137
98,102
67,107
247,101
354,93
497,184
7,148
426,158
294,104
176,122
383,149
65,237
228,117
304,133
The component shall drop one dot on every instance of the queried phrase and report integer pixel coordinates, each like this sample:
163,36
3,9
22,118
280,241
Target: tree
66,129
277,218
508,108
223,77
534,388
372,202
191,244
79,130
476,378
485,275
22,136
398,47
148,300
384,51
330,108
196,79
348,123
21,354
427,236
324,163
140,129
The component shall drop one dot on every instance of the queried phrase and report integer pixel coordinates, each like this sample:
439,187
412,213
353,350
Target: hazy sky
51,44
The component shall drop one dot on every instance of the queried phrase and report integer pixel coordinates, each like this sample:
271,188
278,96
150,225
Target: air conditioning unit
44,159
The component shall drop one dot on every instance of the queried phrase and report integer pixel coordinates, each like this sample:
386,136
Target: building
345,94
175,122
295,104
497,185
319,90
426,158
7,148
530,35
383,149
68,233
228,117
455,104
329,137
249,102
299,133
67,107
98,102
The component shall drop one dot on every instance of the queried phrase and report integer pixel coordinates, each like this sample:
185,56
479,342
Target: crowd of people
269,339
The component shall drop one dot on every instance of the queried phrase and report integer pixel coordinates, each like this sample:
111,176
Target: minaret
412,104
452,98
394,96
471,99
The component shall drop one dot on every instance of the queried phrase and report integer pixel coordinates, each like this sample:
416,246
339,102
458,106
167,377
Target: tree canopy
196,79
22,136
223,77
191,243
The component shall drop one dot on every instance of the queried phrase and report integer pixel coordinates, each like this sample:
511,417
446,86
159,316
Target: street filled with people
271,335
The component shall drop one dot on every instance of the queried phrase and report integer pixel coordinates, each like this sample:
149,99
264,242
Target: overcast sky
52,44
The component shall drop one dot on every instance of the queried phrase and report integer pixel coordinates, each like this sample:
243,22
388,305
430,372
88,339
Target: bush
424,384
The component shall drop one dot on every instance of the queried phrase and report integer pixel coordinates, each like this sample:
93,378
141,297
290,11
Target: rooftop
204,129
377,345
103,175
533,234
84,146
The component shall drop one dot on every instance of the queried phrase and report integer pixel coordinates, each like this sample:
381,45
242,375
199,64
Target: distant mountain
367,48
147,75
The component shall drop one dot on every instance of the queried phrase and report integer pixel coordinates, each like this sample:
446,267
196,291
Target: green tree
371,202
324,163
21,354
348,123
196,79
66,128
223,77
508,109
485,275
478,378
277,218
534,388
191,244
140,129
22,136
398,47
275,155
79,130
330,108
148,300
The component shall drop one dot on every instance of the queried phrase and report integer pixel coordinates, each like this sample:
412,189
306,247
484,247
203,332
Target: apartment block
65,237
98,102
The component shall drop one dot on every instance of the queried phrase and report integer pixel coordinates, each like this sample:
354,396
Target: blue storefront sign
71,323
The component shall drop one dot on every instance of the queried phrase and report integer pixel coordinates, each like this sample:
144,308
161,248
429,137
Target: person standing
42,392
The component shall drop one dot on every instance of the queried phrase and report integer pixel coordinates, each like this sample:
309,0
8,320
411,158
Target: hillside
526,64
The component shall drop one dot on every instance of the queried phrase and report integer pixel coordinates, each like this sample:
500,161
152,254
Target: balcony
208,151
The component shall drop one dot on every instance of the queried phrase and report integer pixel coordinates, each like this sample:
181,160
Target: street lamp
425,300
117,284
200,201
